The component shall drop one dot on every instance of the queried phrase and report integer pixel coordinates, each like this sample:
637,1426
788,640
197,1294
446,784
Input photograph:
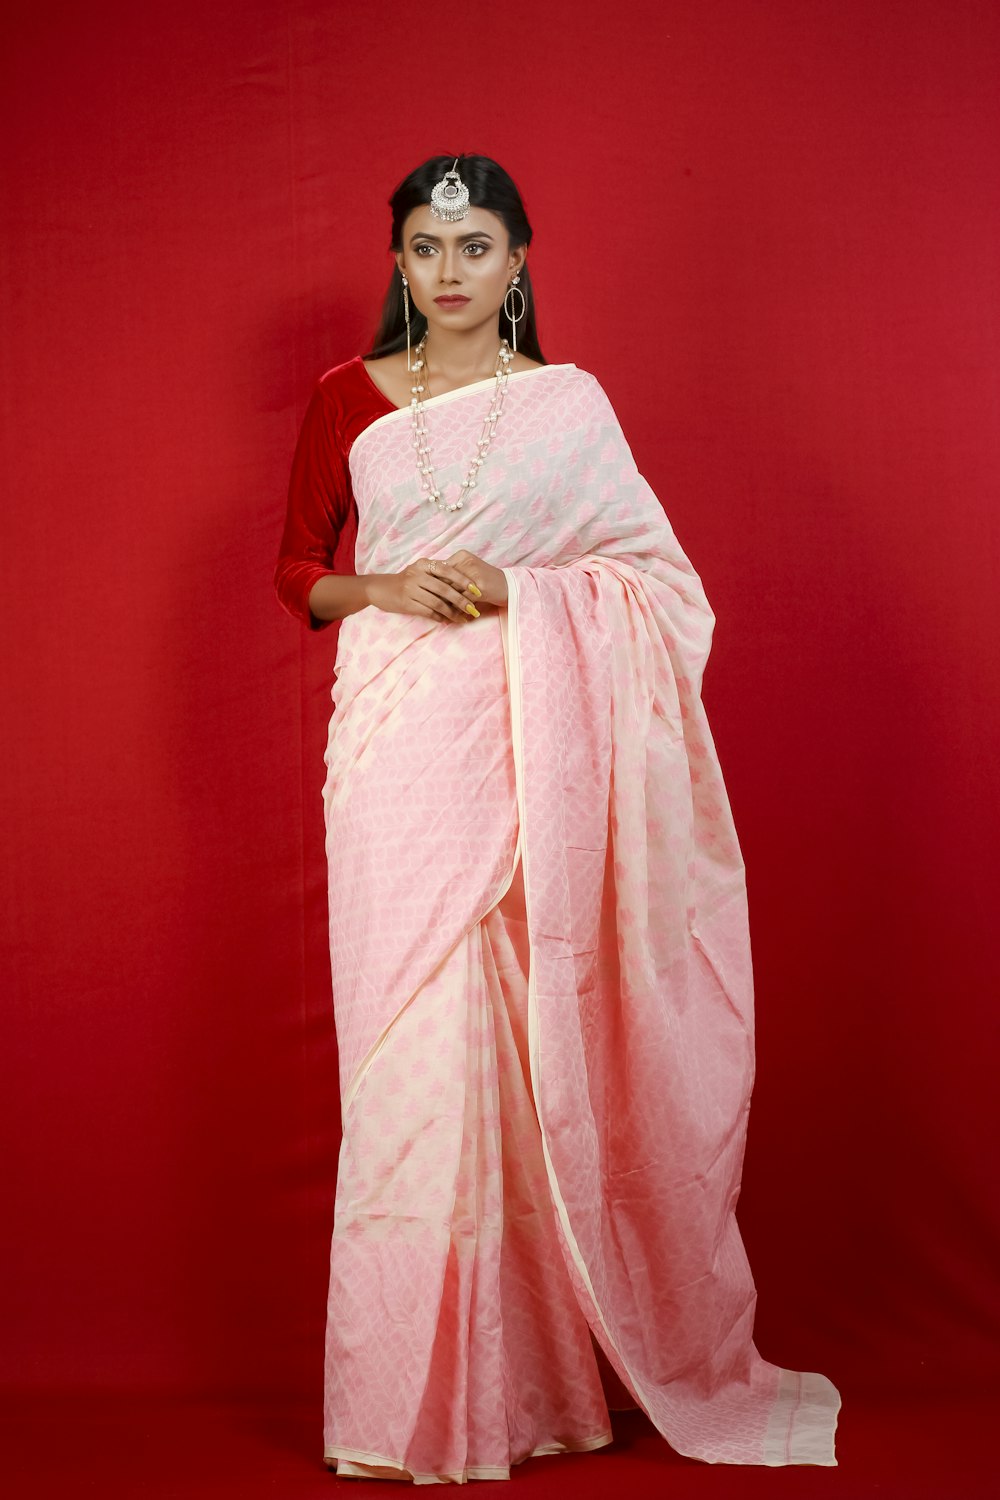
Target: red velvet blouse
320,499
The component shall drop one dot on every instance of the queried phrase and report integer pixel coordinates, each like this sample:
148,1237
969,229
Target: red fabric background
771,231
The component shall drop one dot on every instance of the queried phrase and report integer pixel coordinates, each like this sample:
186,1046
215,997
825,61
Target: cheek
425,278
489,278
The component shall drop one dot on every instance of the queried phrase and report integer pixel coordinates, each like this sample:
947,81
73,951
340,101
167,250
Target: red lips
451,301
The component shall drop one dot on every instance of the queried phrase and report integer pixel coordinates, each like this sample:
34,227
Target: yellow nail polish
473,590
472,610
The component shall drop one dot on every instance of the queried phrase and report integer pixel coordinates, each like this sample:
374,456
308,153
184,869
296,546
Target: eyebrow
482,235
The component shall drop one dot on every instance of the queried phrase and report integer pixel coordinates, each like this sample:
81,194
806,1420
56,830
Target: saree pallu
542,977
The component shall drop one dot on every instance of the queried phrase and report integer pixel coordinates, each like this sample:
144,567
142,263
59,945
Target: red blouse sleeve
319,503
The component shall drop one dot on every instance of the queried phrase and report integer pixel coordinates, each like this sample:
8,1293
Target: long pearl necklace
424,466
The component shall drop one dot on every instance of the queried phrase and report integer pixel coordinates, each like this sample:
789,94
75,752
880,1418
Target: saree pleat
455,1346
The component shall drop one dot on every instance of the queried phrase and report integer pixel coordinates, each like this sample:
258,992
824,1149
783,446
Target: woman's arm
340,594
428,586
319,503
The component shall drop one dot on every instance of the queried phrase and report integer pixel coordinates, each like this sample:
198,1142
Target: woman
538,921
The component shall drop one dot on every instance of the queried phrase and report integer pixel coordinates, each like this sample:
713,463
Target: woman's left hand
491,581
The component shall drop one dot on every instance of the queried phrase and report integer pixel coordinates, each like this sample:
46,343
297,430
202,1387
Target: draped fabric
554,754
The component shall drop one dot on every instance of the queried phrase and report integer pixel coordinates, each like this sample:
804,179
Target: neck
462,355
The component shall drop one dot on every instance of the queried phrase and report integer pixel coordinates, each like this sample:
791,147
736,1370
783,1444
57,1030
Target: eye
424,247
474,245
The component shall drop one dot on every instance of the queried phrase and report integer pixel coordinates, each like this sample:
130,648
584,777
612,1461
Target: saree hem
803,1424
353,1463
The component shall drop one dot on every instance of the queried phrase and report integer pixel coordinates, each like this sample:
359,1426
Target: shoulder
591,388
388,375
347,399
571,373
583,377
571,378
340,383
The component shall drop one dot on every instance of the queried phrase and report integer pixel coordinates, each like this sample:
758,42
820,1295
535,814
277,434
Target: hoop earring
406,314
524,307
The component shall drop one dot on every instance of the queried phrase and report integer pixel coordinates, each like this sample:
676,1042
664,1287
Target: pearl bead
424,462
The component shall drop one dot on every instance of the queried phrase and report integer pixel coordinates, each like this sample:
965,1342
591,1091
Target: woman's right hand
427,586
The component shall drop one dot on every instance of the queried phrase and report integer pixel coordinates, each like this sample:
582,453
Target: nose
449,265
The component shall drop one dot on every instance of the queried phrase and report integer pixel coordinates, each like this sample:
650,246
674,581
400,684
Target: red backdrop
771,232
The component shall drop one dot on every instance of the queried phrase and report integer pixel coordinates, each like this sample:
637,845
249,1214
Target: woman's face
469,258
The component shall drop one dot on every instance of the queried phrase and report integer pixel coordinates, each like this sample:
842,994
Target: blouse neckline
460,390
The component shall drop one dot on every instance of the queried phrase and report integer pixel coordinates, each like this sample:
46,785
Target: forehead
420,220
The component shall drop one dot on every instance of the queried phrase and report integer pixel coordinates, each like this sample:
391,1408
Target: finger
445,591
461,581
439,603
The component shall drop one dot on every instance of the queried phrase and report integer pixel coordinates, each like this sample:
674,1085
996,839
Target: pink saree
542,978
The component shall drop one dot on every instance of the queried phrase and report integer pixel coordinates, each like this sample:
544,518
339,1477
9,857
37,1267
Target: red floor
119,1447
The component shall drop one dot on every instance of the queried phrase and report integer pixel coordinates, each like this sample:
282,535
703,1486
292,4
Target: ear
517,259
399,261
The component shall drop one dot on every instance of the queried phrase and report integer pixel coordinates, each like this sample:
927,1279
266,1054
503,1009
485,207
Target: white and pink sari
542,977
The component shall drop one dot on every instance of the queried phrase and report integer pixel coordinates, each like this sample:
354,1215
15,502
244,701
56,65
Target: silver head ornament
450,197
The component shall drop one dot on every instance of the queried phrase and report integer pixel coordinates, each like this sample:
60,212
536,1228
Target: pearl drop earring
406,314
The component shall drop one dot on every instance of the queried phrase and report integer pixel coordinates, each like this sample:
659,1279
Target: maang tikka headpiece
450,197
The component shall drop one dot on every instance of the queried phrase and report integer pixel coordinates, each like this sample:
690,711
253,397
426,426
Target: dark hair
489,187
